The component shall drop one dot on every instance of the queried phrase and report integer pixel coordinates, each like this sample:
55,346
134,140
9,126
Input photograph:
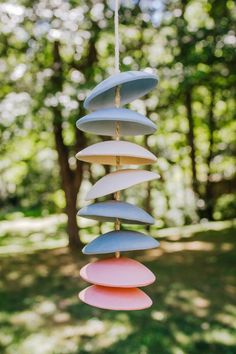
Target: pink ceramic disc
115,298
117,272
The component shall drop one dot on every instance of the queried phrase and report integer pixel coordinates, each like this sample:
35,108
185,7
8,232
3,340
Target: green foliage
190,44
225,207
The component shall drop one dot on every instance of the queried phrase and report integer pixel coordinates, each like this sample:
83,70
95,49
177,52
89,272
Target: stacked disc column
116,280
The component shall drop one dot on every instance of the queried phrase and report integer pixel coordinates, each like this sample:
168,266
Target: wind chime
116,280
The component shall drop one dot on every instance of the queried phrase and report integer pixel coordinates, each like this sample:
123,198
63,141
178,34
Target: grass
194,297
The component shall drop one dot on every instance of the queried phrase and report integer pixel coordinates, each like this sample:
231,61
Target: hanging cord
117,40
117,99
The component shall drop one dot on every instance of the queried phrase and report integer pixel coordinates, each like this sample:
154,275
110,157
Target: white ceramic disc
119,180
106,152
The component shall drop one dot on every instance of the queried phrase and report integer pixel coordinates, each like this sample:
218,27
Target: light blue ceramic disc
119,241
113,209
133,84
103,122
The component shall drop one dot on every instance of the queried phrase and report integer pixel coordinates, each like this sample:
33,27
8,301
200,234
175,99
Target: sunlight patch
28,319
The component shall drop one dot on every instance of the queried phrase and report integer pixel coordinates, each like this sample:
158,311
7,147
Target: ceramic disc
120,241
119,180
133,84
117,272
103,122
115,298
113,209
106,152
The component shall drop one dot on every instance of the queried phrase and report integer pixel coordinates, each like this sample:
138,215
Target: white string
117,40
117,97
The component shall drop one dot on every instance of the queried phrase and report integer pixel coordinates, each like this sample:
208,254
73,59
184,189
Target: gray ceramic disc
112,210
119,241
133,84
103,122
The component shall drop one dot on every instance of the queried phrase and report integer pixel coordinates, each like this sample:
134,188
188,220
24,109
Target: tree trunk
68,184
72,226
209,198
71,179
191,139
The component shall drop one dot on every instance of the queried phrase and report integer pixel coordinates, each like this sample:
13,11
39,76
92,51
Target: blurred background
52,53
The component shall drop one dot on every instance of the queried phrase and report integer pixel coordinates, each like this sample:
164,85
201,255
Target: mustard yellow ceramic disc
106,152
